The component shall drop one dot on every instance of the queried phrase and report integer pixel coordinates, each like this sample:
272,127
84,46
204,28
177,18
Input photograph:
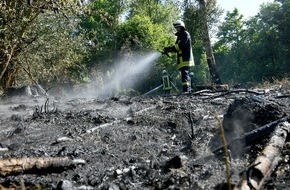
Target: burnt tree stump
246,114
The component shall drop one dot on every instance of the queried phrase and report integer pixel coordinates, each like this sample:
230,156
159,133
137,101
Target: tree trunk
4,71
11,74
215,78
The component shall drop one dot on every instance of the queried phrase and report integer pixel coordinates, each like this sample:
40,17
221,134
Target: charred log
236,91
256,135
261,169
243,120
250,112
16,166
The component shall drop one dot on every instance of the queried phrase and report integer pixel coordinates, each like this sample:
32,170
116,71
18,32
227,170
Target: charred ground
161,142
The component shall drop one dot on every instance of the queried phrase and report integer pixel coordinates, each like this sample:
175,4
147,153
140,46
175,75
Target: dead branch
102,126
29,74
283,96
144,110
14,166
261,169
235,91
201,92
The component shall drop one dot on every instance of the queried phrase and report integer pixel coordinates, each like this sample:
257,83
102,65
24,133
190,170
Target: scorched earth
160,142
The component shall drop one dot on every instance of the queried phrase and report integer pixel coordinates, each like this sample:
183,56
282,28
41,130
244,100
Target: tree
207,44
230,31
142,33
256,49
100,27
231,40
276,27
160,12
149,26
15,19
199,17
56,55
115,29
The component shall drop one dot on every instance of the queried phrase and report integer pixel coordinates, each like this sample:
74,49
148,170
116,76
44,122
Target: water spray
126,70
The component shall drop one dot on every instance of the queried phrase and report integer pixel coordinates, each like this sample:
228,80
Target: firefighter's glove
167,50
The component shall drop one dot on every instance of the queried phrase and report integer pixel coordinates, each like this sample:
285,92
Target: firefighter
184,54
166,82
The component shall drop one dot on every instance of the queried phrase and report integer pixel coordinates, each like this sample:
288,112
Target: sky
247,8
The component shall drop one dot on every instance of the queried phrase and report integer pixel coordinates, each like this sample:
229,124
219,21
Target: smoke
124,74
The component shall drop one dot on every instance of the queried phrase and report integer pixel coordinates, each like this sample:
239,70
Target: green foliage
230,31
160,12
254,50
201,72
16,19
114,33
227,48
56,54
142,34
99,28
39,47
149,27
100,23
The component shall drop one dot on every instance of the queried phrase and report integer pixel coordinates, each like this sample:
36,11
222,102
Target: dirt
160,142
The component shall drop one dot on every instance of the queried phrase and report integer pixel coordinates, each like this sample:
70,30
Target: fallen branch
102,126
283,96
235,91
261,169
14,166
200,92
144,110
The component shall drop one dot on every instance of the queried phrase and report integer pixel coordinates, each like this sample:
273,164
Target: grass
227,157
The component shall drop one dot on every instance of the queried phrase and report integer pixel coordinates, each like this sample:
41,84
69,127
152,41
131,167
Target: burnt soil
160,142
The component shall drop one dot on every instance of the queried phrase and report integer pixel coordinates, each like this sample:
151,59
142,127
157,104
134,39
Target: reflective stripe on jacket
184,50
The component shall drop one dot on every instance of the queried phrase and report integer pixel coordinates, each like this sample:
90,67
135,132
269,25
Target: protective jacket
166,82
184,50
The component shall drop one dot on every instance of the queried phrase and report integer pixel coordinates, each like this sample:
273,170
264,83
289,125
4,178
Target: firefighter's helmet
179,23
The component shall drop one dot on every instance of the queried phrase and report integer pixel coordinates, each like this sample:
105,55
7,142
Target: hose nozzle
165,51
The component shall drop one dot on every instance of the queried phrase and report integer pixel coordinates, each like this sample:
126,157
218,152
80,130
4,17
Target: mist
124,74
